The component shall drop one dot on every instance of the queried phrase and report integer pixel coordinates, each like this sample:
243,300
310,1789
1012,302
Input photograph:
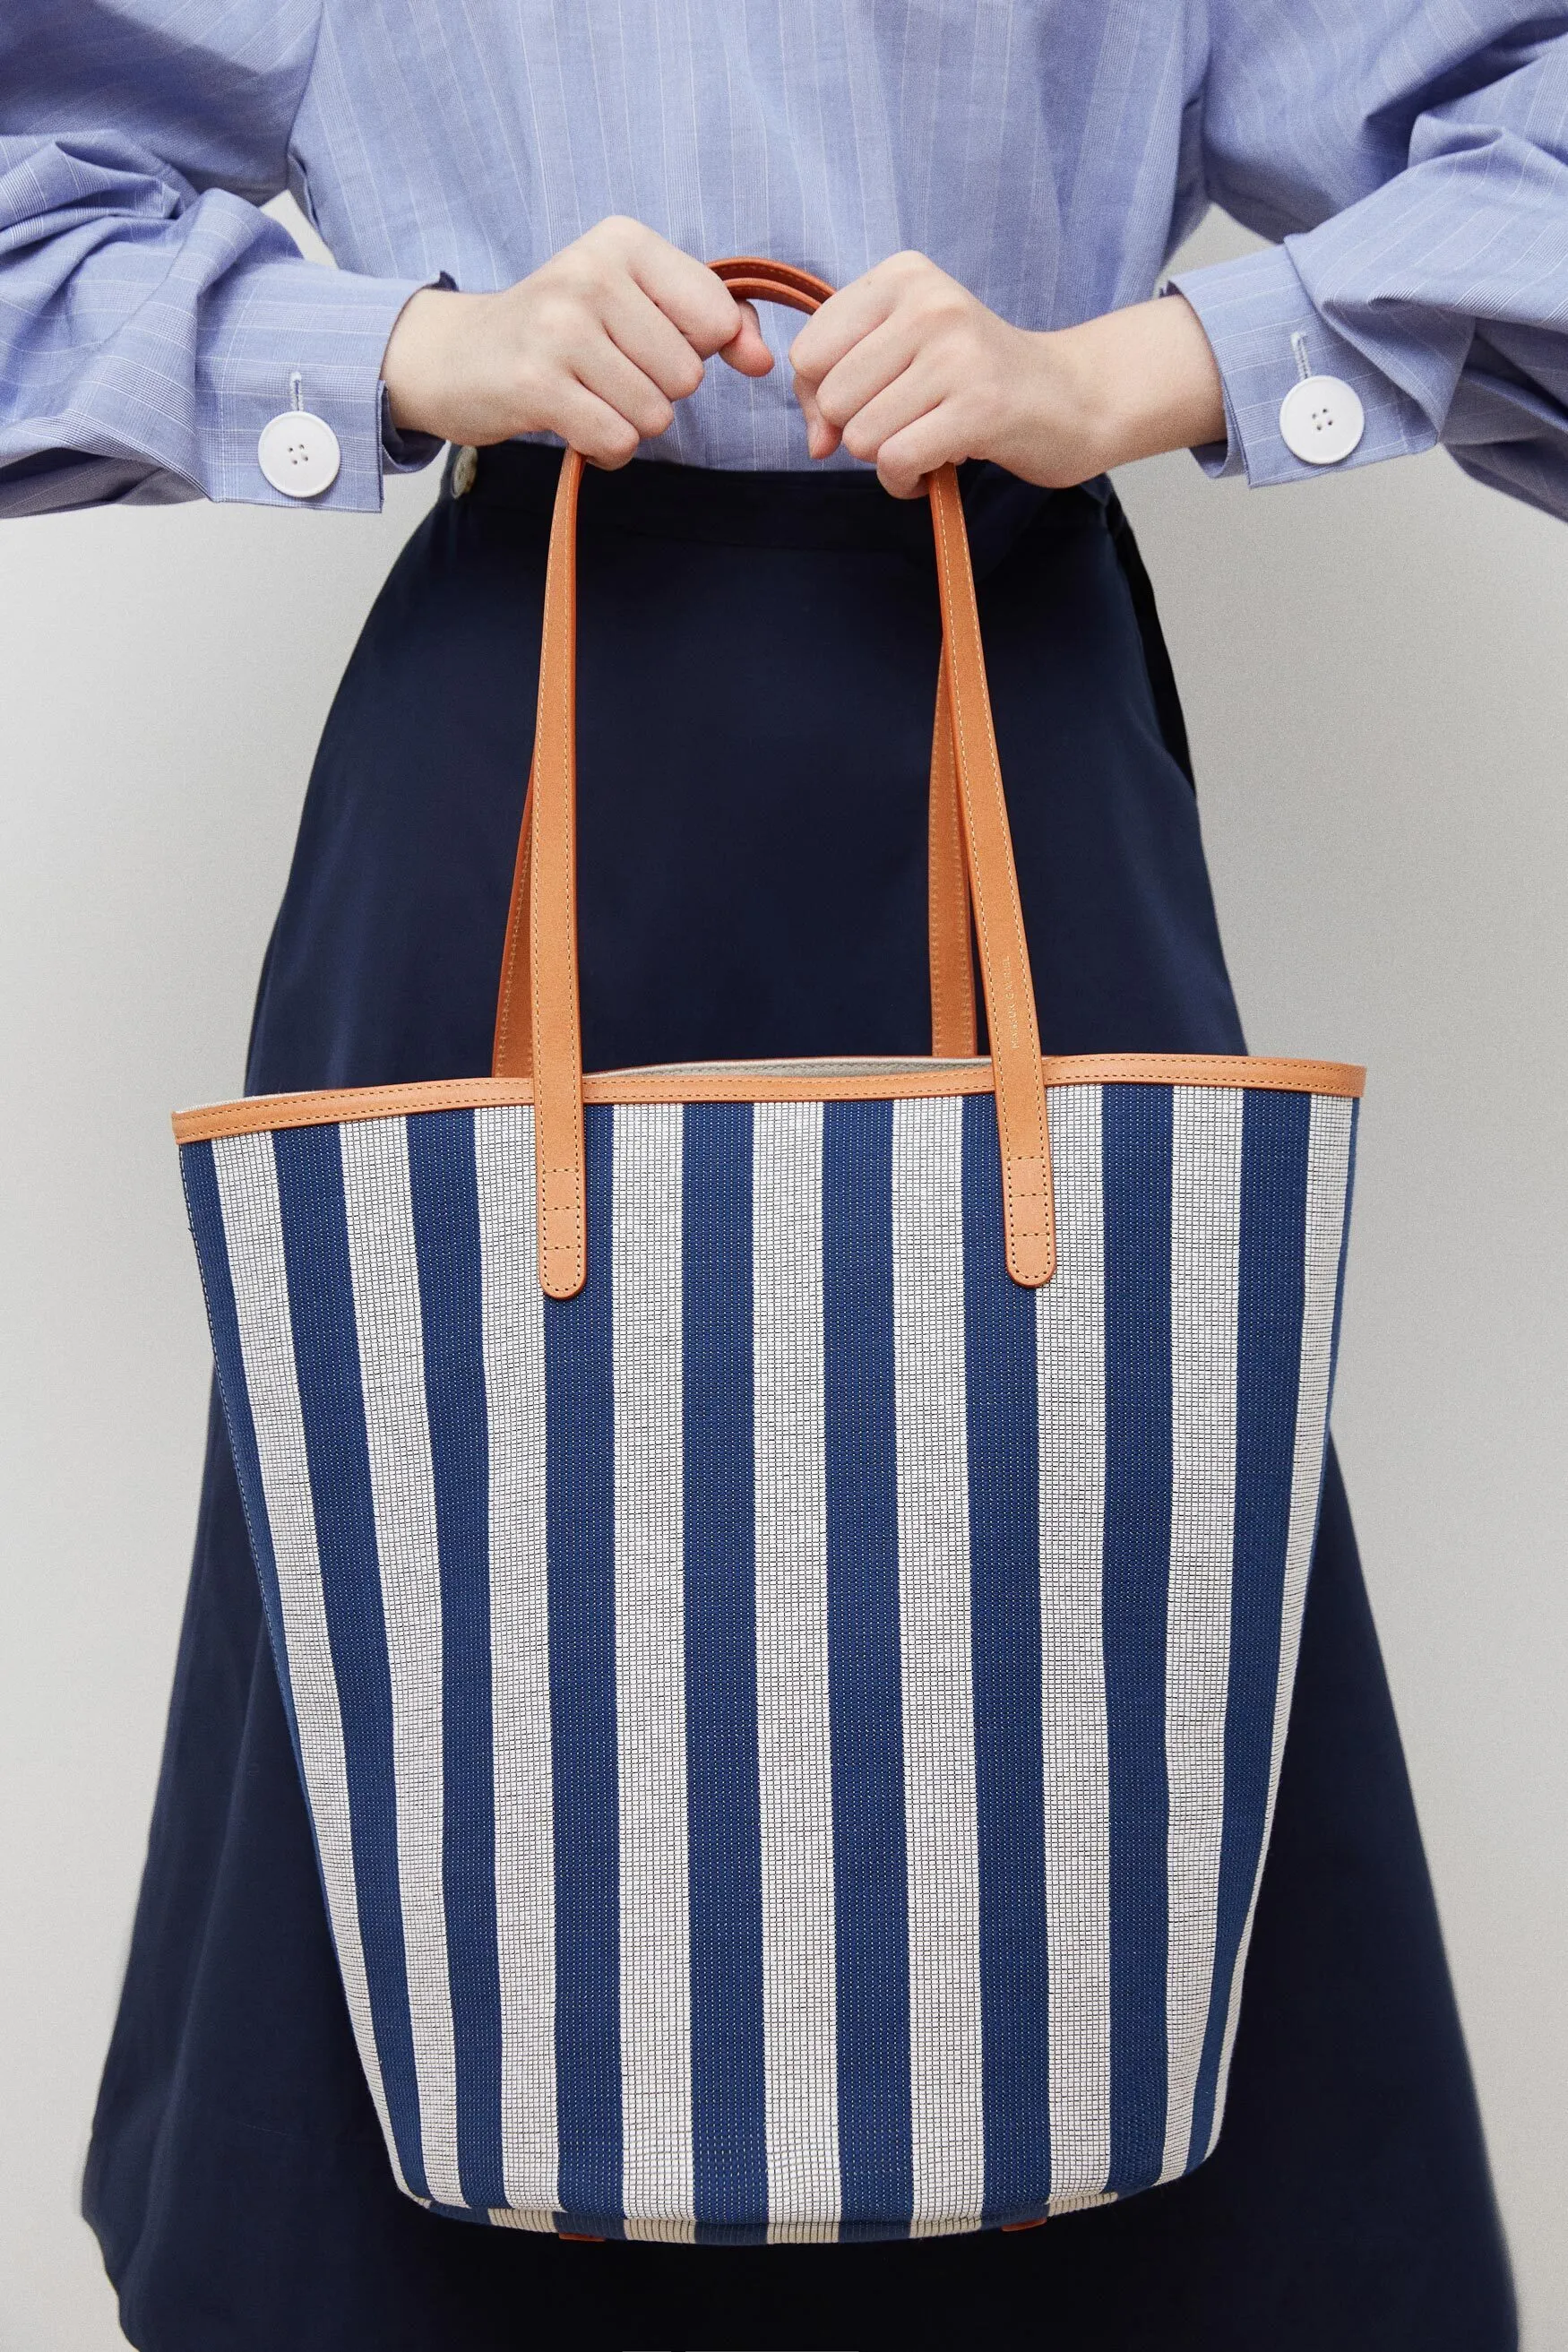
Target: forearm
148,335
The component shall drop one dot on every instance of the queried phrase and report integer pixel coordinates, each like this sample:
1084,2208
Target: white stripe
940,1827
1205,1241
799,2005
650,1680
513,1313
253,1233
392,1371
1328,1174
681,2232
1070,1343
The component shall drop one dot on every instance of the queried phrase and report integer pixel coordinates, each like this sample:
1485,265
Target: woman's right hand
596,346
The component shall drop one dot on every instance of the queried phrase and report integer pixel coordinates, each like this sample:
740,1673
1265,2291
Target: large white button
1321,420
298,454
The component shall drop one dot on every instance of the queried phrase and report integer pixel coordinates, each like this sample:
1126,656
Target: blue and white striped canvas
792,1730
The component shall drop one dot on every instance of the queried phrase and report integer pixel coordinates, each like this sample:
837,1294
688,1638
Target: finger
589,424
701,305
748,353
651,341
821,438
842,321
604,368
909,396
906,458
873,364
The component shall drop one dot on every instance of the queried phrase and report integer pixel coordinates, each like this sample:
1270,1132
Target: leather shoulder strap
970,841
954,1029
559,1141
1028,1208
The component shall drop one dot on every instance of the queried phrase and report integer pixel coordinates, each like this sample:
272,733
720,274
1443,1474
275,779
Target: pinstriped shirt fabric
792,1731
1411,156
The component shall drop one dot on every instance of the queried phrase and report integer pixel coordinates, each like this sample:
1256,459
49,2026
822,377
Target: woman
520,199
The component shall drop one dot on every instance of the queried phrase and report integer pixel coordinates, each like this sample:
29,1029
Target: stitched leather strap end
538,1022
1028,1217
1019,1076
563,1227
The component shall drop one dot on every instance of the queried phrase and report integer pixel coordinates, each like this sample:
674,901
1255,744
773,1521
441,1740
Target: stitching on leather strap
1022,986
563,1264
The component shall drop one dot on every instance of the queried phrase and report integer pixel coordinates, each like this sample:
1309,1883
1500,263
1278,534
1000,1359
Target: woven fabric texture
792,1731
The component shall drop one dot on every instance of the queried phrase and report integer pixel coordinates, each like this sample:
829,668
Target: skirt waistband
650,499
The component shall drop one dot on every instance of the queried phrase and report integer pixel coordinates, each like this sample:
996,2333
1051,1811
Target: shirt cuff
405,453
330,328
1250,307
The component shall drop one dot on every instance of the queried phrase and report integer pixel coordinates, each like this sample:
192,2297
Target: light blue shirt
1410,155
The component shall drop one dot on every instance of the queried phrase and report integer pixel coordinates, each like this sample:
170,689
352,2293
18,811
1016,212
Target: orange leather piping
762,1082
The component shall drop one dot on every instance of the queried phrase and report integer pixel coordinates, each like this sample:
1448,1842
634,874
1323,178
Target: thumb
746,352
821,438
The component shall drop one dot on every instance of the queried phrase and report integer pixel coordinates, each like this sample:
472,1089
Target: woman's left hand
909,370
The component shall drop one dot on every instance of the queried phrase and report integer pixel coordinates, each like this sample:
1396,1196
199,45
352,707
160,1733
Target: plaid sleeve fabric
1413,163
150,316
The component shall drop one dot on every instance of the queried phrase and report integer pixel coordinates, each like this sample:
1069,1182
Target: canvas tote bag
785,1577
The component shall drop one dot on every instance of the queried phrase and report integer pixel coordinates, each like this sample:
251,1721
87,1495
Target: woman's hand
908,370
597,346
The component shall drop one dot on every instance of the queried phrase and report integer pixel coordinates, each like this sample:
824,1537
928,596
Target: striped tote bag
785,1578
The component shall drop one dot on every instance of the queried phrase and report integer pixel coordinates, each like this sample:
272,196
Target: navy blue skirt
757,666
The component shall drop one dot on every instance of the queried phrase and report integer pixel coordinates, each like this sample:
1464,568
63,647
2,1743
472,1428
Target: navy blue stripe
332,1404
444,1193
1136,1165
1002,1410
723,1795
204,1206
1270,1300
876,2159
580,1524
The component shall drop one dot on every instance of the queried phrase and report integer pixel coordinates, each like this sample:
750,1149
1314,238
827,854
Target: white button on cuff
298,454
1321,420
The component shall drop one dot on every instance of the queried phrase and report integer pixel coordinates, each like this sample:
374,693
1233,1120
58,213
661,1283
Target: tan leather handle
953,1027
955,1032
953,1023
542,941
1028,1208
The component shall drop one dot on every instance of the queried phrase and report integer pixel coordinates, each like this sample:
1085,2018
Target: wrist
1138,381
1082,420
416,365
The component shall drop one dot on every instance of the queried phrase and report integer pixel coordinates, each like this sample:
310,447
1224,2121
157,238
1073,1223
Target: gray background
1374,680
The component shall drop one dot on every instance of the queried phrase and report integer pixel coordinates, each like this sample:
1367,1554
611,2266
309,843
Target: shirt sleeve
150,316
1411,158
